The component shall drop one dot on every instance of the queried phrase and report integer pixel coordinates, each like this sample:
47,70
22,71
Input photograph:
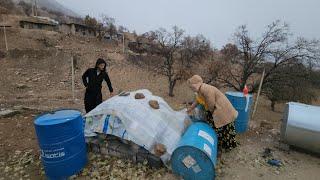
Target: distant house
39,23
77,29
129,36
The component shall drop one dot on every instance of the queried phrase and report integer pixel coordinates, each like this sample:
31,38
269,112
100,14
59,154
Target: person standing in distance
92,80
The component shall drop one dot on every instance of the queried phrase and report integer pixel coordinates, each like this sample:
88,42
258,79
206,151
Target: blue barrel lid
237,94
56,117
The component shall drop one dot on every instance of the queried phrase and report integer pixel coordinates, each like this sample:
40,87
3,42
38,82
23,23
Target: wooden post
5,37
36,7
72,69
259,91
32,9
123,42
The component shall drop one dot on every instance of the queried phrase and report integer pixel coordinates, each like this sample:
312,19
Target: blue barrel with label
62,143
243,105
196,154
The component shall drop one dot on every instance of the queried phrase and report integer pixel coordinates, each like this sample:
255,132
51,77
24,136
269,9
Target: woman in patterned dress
220,113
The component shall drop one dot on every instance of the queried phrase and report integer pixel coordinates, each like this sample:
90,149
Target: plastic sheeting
134,120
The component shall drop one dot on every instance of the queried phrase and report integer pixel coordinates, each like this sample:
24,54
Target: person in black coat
92,80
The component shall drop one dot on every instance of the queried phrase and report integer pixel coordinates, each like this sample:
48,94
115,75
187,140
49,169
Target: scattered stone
7,169
8,113
59,47
35,80
219,171
277,172
284,147
154,104
22,86
266,124
139,96
253,125
267,153
274,132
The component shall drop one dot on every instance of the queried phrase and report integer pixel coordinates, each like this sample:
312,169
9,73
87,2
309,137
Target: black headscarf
101,61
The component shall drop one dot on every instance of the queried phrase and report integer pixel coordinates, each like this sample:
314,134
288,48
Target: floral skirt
226,134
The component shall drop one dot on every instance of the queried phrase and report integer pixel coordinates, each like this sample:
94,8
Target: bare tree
109,24
90,21
26,7
123,29
290,83
194,49
251,56
167,47
8,4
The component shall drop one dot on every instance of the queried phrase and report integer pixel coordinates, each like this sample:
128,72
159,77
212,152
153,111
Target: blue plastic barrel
62,143
196,154
243,105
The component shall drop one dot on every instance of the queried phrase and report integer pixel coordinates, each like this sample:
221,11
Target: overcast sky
215,19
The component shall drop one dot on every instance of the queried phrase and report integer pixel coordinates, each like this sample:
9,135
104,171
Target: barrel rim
36,121
237,94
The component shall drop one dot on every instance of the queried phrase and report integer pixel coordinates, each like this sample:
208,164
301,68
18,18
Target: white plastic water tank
301,126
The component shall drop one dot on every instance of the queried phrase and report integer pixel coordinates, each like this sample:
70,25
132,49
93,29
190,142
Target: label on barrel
189,161
206,136
52,153
207,149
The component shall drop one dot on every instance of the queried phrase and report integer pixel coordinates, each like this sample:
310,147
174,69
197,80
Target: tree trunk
171,91
273,103
171,87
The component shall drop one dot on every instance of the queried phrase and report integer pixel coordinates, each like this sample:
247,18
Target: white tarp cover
134,120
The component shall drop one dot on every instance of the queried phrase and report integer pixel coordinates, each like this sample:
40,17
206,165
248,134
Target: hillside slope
52,5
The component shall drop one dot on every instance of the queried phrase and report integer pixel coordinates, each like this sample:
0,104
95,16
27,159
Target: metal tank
301,126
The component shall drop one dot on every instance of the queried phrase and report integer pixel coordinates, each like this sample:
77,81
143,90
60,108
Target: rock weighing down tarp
135,120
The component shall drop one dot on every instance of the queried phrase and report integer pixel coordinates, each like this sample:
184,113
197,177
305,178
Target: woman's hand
189,111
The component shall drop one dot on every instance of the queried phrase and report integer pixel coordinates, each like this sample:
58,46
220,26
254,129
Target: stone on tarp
139,96
154,104
160,149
